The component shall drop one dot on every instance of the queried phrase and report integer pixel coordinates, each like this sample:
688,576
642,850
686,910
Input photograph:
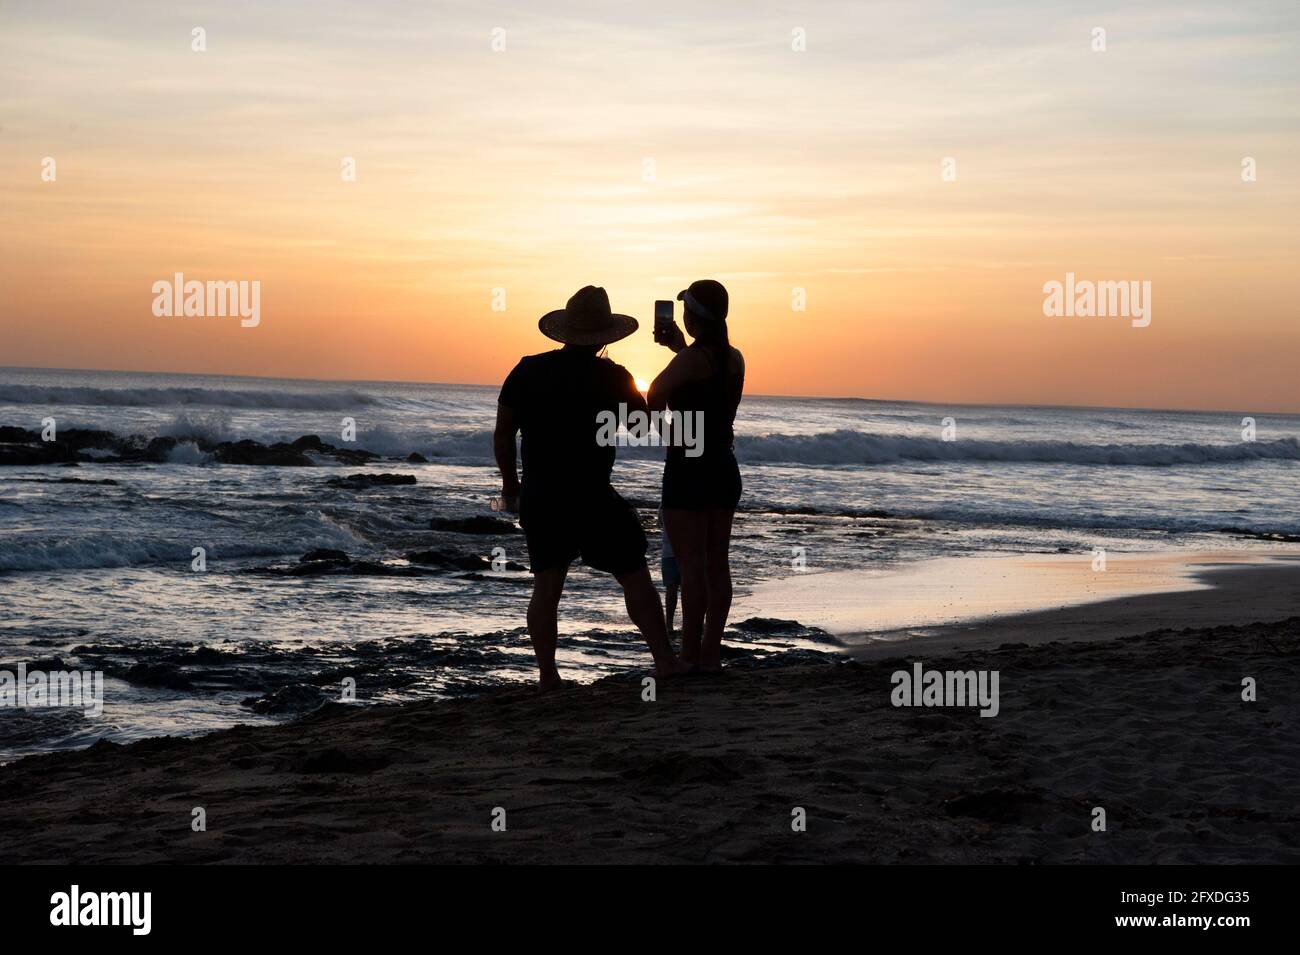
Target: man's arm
503,445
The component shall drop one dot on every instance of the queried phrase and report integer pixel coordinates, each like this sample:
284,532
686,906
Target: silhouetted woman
704,381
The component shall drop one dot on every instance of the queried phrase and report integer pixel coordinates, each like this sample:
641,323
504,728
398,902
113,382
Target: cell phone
663,318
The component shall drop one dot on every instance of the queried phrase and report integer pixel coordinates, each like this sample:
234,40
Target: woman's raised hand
671,338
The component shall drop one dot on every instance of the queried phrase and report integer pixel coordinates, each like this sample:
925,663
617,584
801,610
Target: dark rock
741,657
310,442
331,566
358,482
26,455
251,452
20,447
324,553
770,625
158,449
369,568
203,656
314,568
352,456
478,524
294,698
767,626
136,450
79,438
446,558
1279,537
158,674
415,457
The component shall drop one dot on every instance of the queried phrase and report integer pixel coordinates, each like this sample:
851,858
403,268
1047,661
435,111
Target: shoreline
954,604
1261,593
1151,728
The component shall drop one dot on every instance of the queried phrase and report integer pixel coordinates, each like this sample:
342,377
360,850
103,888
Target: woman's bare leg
718,578
670,608
686,532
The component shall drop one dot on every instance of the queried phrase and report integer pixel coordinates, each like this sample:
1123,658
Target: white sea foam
283,536
187,452
857,447
213,426
846,447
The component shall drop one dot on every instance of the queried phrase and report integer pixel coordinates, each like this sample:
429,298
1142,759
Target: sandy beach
1150,728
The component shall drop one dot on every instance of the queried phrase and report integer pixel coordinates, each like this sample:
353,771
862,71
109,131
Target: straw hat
587,320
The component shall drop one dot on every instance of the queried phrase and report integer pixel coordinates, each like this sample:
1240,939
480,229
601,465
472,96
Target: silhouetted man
566,504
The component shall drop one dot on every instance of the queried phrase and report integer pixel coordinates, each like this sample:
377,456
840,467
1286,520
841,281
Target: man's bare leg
543,622
647,612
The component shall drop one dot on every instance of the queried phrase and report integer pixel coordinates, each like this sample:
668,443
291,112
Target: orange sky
773,170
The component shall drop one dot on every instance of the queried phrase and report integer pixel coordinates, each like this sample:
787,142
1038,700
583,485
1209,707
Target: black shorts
701,484
599,526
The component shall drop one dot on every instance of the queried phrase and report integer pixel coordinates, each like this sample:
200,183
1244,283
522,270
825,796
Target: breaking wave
857,447
199,397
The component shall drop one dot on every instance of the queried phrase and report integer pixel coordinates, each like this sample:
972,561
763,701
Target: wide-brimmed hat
587,320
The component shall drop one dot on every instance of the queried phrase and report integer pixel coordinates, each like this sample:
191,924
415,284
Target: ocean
97,561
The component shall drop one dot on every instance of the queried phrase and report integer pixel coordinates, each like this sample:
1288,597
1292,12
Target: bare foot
710,664
667,671
550,685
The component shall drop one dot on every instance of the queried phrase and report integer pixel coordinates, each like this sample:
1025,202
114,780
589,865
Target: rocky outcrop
479,524
359,482
20,447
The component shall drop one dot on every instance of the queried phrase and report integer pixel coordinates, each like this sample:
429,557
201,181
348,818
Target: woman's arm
680,370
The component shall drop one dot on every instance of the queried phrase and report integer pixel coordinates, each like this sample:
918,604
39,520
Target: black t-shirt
556,397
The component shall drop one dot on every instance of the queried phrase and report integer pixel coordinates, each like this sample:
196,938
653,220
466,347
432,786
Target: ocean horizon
933,402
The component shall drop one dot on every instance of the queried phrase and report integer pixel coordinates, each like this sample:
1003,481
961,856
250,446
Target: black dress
711,479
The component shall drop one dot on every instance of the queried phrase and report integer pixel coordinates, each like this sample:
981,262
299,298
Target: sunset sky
774,169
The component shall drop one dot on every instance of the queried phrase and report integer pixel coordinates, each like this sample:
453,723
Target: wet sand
1150,728
956,603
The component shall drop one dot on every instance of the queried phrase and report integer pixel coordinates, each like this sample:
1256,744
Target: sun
642,385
